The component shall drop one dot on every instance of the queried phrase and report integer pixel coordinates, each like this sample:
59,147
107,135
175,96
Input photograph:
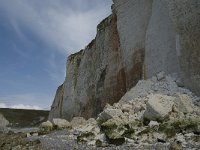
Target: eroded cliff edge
139,39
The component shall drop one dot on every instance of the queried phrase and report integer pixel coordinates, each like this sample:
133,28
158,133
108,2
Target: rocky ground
155,114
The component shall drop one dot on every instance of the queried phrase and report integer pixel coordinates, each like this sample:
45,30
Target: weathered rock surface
61,123
159,107
184,103
167,86
176,114
46,126
56,109
78,121
140,39
109,114
3,122
186,20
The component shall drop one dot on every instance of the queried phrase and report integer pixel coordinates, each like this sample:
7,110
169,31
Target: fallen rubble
155,111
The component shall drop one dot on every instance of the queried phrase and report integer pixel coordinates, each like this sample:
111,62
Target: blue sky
36,36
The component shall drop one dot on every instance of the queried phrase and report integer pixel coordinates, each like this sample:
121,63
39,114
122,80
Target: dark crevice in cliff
60,104
76,70
136,72
99,91
121,81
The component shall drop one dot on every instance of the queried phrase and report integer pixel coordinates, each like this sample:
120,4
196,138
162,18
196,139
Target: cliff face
95,76
56,109
139,39
186,20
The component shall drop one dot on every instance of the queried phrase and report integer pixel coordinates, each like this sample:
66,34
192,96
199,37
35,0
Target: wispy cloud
66,25
61,27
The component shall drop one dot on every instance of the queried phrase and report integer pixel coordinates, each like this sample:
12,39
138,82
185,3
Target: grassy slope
24,118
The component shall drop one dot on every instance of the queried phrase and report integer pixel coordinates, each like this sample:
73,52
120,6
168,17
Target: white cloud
20,106
2,105
27,101
66,26
56,22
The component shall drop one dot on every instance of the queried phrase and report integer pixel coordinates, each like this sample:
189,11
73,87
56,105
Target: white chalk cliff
138,40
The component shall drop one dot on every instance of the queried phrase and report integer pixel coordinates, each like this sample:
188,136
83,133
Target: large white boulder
158,107
183,103
78,122
61,123
109,114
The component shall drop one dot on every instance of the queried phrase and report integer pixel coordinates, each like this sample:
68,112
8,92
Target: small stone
160,76
139,107
161,137
175,146
85,137
189,134
47,126
180,138
92,121
116,105
101,137
35,134
108,114
28,135
126,108
153,124
140,115
127,140
92,143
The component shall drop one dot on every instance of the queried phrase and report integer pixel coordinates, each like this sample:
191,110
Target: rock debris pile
155,112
